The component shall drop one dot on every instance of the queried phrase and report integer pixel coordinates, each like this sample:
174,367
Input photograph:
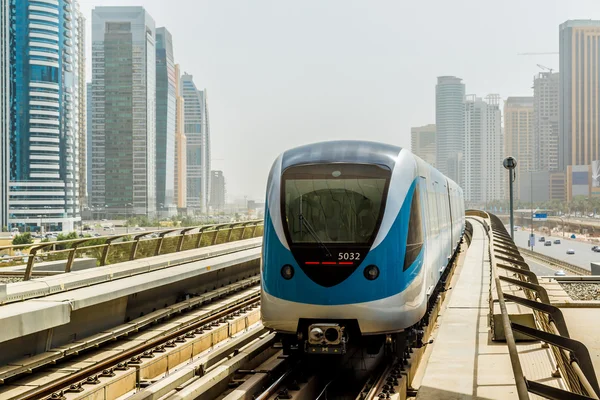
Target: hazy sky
283,73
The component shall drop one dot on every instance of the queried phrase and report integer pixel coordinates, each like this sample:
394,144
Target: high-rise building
6,82
123,114
82,111
519,135
88,156
40,55
449,121
217,191
579,132
180,179
165,122
483,150
545,116
197,132
422,142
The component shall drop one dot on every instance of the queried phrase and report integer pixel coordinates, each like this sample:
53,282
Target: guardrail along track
127,247
572,357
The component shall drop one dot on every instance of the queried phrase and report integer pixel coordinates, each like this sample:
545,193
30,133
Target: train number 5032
349,256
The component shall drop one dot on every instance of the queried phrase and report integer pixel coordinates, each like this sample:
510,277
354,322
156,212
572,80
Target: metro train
357,235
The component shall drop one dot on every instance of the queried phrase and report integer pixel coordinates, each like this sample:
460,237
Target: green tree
62,237
24,238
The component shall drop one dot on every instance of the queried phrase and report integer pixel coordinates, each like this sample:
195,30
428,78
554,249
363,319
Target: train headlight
287,271
371,272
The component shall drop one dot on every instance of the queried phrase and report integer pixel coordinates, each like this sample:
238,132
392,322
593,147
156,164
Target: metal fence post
160,240
31,259
182,237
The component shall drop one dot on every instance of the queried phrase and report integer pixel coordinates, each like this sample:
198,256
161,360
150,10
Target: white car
570,251
560,272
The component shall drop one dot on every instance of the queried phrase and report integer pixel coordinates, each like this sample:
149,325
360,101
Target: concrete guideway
206,334
44,329
21,319
463,361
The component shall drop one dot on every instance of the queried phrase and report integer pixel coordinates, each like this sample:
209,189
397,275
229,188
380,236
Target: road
539,269
583,251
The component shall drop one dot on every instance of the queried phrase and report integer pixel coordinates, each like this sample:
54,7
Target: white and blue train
357,235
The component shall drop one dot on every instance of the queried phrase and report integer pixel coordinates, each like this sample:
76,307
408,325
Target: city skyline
254,75
548,148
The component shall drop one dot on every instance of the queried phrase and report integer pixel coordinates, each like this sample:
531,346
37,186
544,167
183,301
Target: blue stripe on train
388,256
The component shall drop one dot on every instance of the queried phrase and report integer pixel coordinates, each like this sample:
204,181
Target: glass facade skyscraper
123,111
40,69
450,123
165,122
197,132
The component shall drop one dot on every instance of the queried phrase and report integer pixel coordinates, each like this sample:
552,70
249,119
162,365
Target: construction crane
537,54
544,67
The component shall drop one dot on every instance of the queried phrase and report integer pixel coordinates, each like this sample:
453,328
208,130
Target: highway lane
539,269
583,251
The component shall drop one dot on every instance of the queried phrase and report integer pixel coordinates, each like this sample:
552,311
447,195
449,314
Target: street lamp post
127,221
160,207
41,217
510,163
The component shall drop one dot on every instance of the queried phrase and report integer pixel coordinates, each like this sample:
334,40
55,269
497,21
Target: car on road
557,241
597,250
542,239
570,251
560,272
548,243
594,248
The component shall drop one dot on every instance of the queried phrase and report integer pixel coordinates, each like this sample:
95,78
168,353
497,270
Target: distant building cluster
133,141
554,134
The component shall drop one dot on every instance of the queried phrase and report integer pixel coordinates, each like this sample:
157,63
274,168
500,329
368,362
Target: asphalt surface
583,251
540,269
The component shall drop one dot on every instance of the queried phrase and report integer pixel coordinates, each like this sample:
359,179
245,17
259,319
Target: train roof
350,151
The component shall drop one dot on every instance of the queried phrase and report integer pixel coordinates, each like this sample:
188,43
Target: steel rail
272,389
65,382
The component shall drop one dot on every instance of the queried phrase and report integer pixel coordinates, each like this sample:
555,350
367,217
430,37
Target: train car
357,235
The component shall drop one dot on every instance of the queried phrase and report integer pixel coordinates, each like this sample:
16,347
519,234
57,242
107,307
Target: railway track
216,348
134,360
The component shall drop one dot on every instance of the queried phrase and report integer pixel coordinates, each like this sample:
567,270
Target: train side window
414,239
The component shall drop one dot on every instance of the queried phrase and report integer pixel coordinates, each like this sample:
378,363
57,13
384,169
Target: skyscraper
483,150
519,140
217,191
82,111
422,142
579,133
123,115
88,157
6,81
40,55
180,147
165,121
449,121
197,132
545,116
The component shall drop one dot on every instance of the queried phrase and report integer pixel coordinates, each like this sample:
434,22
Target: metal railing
123,247
572,357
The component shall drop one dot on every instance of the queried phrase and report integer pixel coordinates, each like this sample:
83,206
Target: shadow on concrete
430,393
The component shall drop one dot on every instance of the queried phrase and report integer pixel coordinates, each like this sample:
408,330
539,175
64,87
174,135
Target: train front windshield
334,203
